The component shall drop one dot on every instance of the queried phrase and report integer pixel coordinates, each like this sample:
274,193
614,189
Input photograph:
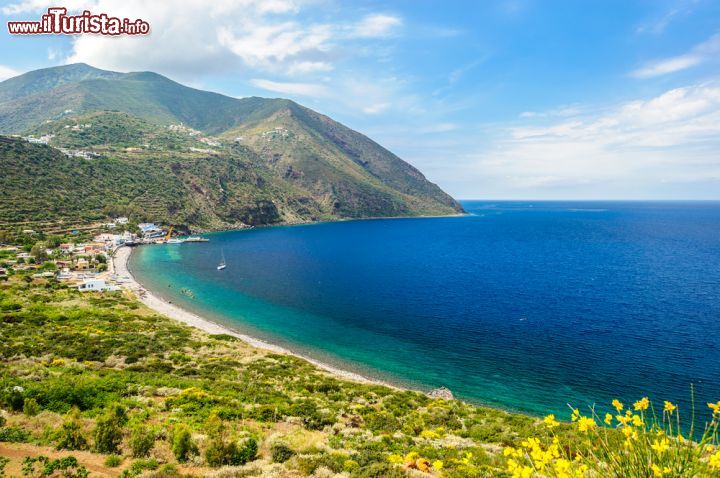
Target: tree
38,252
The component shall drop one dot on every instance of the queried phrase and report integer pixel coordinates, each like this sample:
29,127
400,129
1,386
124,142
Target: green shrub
42,466
3,463
141,441
14,435
280,452
138,467
113,461
220,453
109,431
31,407
182,444
70,436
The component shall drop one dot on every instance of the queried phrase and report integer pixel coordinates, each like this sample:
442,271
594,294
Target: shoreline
120,261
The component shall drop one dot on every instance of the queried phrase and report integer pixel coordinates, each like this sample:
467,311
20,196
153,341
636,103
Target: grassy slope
94,351
151,172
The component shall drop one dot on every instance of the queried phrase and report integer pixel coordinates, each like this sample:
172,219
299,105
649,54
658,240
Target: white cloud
376,26
289,88
192,38
7,72
376,108
303,67
704,52
634,149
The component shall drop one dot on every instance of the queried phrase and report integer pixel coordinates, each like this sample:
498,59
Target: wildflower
395,458
637,421
658,472
642,404
715,407
518,470
551,422
576,414
608,418
617,404
714,461
585,424
660,446
670,407
437,464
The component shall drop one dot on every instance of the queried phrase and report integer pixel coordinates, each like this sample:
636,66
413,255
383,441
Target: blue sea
527,306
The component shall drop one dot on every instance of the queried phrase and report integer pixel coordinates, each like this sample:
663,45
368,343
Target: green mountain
166,152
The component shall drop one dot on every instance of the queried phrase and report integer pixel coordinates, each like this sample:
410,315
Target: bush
182,444
113,461
280,452
219,453
3,462
14,435
70,436
109,431
31,407
138,467
141,441
42,466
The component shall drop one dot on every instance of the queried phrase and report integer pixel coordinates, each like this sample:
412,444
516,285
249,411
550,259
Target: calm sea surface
523,305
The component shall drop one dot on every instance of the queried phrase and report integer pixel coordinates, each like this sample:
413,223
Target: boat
197,239
222,264
174,241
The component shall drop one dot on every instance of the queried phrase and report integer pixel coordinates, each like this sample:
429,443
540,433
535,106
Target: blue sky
490,99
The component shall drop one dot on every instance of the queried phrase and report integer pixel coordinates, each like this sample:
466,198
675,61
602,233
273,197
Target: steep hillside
175,152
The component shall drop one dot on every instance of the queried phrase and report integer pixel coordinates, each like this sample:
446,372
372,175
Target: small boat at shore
197,239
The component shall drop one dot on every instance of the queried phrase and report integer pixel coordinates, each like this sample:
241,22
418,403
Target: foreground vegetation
113,385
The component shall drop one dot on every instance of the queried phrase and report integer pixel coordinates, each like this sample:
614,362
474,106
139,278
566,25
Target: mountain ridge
305,166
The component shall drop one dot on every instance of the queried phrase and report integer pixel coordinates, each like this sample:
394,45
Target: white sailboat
222,264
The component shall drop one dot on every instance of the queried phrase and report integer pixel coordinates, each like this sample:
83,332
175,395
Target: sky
507,99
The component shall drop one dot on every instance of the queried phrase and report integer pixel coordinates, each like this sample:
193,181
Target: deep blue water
523,305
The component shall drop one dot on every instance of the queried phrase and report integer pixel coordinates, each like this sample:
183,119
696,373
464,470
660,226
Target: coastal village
81,260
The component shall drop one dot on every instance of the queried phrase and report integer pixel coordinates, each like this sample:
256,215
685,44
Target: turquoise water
524,306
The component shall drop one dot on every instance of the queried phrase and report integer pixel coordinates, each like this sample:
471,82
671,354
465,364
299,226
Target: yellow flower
660,446
658,472
715,407
642,404
585,424
608,418
670,407
575,415
551,422
395,458
637,421
714,460
437,464
617,404
518,470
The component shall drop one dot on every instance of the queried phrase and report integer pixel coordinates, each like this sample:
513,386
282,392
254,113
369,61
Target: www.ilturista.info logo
57,21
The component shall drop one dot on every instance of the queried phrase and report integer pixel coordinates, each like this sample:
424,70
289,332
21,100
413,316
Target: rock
442,392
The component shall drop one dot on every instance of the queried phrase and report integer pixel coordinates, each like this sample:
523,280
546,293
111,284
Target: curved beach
120,267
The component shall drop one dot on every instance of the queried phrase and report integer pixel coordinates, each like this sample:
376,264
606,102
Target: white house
121,220
96,285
